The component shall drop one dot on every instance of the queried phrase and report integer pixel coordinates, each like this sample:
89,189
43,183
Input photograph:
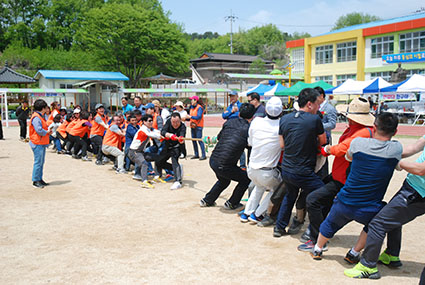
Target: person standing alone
22,113
39,140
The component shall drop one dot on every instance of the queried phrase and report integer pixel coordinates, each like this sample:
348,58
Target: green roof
296,89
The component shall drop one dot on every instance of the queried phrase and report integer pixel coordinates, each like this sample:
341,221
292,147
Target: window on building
324,54
65,86
343,77
382,46
346,51
327,79
298,60
412,42
386,75
415,71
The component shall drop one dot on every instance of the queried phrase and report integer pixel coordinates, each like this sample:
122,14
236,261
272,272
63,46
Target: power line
232,18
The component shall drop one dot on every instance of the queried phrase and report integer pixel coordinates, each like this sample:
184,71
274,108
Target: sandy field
92,226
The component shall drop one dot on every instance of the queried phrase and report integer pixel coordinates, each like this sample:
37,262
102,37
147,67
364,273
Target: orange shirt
97,129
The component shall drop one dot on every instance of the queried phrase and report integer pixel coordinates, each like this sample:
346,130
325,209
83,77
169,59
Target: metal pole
7,109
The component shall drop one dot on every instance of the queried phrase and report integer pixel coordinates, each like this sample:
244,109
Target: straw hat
156,103
358,111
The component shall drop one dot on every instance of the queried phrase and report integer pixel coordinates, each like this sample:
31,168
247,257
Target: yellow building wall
335,68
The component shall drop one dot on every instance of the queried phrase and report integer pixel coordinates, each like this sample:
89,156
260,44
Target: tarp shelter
276,88
416,83
259,88
296,89
376,86
351,87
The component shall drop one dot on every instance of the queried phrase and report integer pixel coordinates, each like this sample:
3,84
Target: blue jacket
228,113
129,134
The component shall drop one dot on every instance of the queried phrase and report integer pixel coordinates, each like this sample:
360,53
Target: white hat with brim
358,111
179,103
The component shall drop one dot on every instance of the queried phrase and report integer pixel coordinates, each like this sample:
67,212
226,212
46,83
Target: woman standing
196,117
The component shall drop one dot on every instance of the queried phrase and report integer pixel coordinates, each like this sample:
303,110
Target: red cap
194,97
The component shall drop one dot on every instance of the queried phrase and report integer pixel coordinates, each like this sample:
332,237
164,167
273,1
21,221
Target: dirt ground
94,226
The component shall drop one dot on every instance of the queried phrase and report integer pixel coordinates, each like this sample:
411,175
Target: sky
314,17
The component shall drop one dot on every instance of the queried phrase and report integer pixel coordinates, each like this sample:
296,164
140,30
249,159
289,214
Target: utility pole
231,18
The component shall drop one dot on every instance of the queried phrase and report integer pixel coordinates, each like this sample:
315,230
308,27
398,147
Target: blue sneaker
308,246
244,218
241,212
253,218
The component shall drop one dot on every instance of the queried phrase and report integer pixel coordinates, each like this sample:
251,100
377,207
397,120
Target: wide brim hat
358,111
179,103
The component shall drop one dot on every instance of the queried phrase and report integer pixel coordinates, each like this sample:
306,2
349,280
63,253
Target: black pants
96,142
161,162
23,128
225,175
1,130
319,202
404,207
277,198
76,143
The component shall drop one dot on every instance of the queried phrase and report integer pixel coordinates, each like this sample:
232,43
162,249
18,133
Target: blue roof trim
377,23
82,75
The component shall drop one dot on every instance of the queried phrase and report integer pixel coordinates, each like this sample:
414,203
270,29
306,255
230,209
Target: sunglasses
149,121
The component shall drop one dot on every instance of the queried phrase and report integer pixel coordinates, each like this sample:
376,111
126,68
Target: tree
352,19
134,40
257,67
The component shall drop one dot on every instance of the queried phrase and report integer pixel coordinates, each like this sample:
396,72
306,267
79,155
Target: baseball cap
274,107
63,108
179,103
98,105
150,106
233,92
77,110
194,97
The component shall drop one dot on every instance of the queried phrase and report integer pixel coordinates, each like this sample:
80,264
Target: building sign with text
404,57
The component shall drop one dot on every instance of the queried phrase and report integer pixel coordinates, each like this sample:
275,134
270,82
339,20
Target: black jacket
168,128
232,140
22,114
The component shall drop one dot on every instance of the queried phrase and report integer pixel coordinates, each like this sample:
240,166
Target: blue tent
260,89
275,88
377,85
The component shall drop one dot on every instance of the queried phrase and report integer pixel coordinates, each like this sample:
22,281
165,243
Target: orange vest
71,125
51,117
98,129
193,113
155,123
79,130
112,139
36,138
62,129
124,127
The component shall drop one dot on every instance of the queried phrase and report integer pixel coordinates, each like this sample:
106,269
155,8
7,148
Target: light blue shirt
127,108
416,181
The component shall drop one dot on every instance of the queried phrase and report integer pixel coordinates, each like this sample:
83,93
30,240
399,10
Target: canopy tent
276,88
416,83
296,89
260,89
353,87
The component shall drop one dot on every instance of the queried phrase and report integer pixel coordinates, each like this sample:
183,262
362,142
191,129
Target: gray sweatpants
404,207
114,151
139,159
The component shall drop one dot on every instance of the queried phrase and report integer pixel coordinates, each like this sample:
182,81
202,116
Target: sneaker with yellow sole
389,260
147,184
159,179
361,271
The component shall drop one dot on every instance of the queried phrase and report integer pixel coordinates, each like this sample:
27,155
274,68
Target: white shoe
120,171
137,177
176,185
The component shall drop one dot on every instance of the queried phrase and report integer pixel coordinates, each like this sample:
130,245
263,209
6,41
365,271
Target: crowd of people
283,158
145,136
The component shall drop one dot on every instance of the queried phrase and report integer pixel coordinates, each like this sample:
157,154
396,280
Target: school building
362,52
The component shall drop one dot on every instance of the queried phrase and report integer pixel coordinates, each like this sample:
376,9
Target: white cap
77,110
179,103
274,107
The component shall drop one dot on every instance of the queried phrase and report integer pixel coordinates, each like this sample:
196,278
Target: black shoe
266,222
295,226
230,206
204,203
277,233
44,183
194,157
99,162
37,184
203,158
351,259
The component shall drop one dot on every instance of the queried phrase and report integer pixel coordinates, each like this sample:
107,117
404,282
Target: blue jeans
197,134
57,143
308,182
39,156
